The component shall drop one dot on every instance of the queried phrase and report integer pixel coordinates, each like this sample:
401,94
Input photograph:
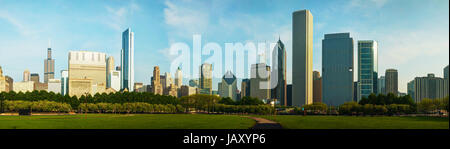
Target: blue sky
413,35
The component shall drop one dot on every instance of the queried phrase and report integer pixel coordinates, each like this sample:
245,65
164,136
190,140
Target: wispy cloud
118,17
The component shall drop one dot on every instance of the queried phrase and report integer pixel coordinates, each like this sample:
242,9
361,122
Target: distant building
367,68
2,81
38,86
187,90
317,87
260,81
228,86
23,87
205,79
64,82
382,85
391,81
446,73
337,68
49,66
355,91
34,77
138,87
279,71
9,83
156,82
110,68
302,58
245,87
127,61
166,80
178,78
430,87
171,90
114,80
289,94
26,75
411,89
54,85
193,83
86,67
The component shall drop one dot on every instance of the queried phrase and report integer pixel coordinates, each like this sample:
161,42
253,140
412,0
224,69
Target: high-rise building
109,68
64,82
114,80
391,81
37,84
381,85
2,81
317,87
446,73
187,90
54,85
49,66
260,81
193,83
138,86
156,82
9,85
337,68
178,78
86,67
355,91
279,70
34,77
430,87
289,94
127,60
228,86
205,79
367,68
302,55
245,87
166,80
26,75
411,89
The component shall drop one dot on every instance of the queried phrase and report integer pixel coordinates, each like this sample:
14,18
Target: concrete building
37,84
166,80
26,75
171,90
228,87
381,85
127,60
411,89
302,55
34,77
367,68
64,82
86,67
138,87
187,90
245,87
156,82
430,87
446,73
178,78
2,81
317,87
49,66
391,81
23,87
260,81
279,71
205,79
54,85
337,68
193,83
114,80
109,68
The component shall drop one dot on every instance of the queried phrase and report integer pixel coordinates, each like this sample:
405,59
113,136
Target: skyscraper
382,85
245,87
337,68
64,82
279,67
446,72
86,73
367,68
109,68
317,87
156,82
411,89
302,55
260,81
228,86
26,75
178,78
205,79
391,81
127,60
2,81
49,66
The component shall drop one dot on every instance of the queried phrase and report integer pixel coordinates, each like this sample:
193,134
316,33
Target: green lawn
122,121
353,122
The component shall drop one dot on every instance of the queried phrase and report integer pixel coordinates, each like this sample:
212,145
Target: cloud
117,18
20,27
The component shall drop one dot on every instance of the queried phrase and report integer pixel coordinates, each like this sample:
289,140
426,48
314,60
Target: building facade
127,60
367,68
260,81
228,87
205,79
391,81
26,86
337,68
114,80
279,71
317,87
86,67
187,90
178,78
64,82
26,75
54,85
109,68
245,87
302,55
156,82
430,87
381,85
411,89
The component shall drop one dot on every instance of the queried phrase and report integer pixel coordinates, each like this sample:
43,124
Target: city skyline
395,51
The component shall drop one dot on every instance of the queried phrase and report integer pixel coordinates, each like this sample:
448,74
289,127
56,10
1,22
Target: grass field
121,121
353,122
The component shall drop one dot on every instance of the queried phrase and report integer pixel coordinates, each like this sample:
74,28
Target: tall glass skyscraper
337,69
127,60
367,68
279,70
